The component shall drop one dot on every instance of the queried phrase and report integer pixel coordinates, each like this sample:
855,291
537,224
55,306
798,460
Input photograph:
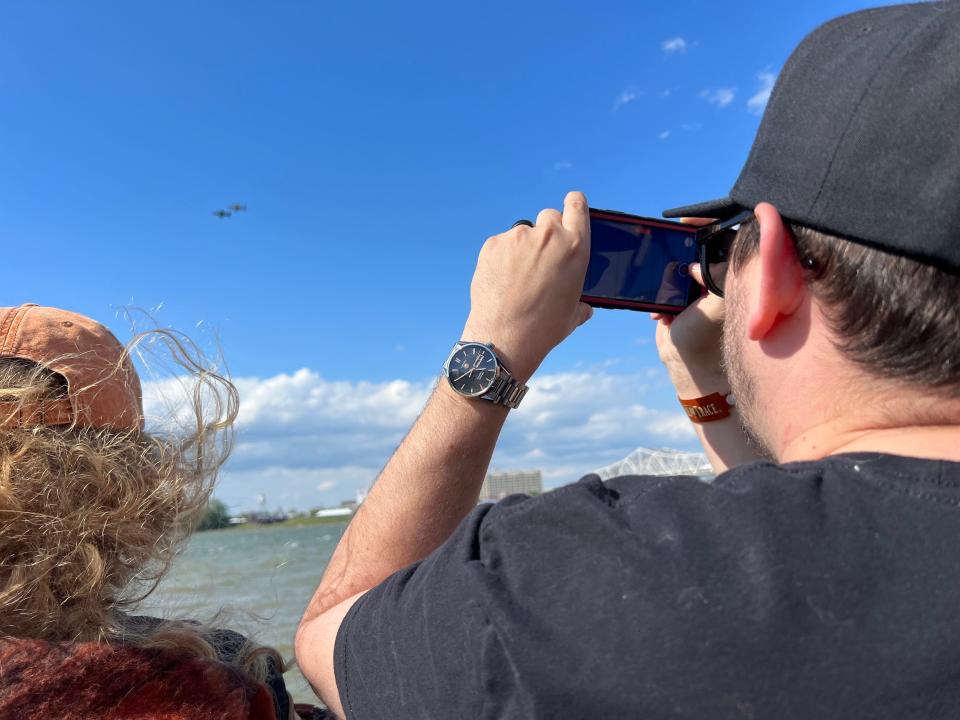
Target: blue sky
376,146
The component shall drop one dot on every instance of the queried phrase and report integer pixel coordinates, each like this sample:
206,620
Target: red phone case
623,304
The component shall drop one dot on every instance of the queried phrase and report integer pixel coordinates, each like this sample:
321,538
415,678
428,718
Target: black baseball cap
861,136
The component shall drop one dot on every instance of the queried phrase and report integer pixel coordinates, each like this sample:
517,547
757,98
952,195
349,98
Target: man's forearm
429,485
524,300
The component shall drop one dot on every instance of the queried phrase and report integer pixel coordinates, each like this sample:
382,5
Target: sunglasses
715,241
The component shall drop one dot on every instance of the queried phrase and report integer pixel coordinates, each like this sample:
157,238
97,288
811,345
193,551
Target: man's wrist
473,406
509,351
708,408
697,382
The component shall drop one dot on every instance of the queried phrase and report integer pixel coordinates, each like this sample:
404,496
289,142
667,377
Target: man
825,584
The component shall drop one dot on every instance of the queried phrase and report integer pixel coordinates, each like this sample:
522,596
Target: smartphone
639,263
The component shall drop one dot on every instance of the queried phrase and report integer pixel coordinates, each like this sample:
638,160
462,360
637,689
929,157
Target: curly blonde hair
91,519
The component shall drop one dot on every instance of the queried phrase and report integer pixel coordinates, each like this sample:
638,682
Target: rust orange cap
102,386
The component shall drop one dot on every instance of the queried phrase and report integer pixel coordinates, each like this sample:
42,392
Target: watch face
472,369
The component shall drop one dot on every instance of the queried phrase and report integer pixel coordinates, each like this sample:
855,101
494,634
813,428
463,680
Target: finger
698,222
576,214
696,272
656,316
549,216
584,313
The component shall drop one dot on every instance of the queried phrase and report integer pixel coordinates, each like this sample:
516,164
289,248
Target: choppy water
263,576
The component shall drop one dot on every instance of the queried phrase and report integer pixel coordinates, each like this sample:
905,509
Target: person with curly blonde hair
93,510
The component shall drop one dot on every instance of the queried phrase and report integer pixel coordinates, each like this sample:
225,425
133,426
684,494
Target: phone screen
639,263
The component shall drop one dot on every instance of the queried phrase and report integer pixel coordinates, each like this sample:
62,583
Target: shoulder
232,648
93,679
636,504
666,540
594,512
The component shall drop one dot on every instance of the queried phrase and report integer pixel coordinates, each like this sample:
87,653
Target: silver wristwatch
474,370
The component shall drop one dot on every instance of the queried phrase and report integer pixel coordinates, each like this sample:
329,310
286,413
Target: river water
261,576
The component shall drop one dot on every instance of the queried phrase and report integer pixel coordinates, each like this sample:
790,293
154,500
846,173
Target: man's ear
781,286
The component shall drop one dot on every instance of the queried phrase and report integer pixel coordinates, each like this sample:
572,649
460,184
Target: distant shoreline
291,522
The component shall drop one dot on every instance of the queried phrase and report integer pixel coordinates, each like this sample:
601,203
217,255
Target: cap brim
721,209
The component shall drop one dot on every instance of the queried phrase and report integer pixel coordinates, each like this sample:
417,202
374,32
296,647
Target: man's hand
690,343
525,295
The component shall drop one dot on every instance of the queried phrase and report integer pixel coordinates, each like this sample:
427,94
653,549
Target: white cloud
625,98
674,45
758,102
286,400
562,165
721,97
663,135
304,441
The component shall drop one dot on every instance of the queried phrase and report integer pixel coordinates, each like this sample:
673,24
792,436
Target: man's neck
938,442
820,404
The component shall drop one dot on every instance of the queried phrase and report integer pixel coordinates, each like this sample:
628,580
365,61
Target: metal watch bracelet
506,390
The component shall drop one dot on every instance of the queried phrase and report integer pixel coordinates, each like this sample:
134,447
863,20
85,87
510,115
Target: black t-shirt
826,589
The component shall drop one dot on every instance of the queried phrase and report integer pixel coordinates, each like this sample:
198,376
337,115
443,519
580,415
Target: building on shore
498,485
